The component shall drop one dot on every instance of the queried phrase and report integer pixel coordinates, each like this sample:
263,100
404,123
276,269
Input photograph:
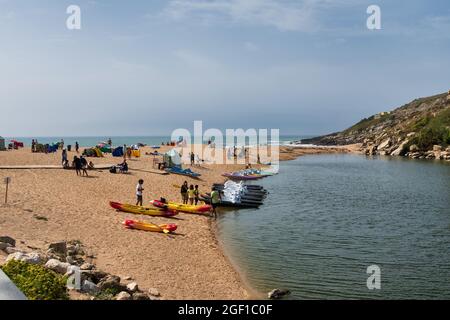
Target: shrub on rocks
35,281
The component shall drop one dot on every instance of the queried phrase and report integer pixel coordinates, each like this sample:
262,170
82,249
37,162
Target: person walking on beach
139,189
77,165
196,194
192,159
215,200
84,165
191,194
184,191
64,157
61,144
77,146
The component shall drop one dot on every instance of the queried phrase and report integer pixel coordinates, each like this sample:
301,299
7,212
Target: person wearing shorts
139,189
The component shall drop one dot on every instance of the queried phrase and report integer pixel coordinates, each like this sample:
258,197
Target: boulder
95,275
111,282
11,250
132,287
4,245
59,248
140,296
154,292
87,266
90,287
70,260
437,147
32,257
278,293
413,148
57,266
385,144
399,149
6,239
123,296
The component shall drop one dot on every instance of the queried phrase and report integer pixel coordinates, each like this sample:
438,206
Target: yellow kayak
146,226
150,211
186,208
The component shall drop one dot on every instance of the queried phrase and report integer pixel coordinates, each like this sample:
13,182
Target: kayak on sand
200,209
146,226
150,211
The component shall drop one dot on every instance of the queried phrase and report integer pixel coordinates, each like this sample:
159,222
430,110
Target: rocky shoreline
70,260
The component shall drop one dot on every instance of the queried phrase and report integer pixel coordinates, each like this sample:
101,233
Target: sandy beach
48,205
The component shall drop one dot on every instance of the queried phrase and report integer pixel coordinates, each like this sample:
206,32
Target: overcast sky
148,67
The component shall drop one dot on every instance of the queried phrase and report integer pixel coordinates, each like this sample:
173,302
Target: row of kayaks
160,209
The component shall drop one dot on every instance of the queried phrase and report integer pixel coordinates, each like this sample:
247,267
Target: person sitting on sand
84,165
123,167
77,165
196,194
191,194
139,189
184,190
90,165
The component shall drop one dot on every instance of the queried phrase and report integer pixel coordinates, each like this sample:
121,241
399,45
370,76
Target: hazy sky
148,67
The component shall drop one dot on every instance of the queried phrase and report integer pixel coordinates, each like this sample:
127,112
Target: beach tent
136,153
118,152
92,152
172,159
2,144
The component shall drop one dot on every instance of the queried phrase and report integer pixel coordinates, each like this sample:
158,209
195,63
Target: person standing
84,165
64,157
191,194
139,189
192,158
77,146
184,191
77,165
61,144
196,194
215,200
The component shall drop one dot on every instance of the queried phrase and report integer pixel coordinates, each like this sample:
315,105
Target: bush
36,282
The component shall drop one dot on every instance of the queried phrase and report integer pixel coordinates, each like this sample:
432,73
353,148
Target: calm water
329,217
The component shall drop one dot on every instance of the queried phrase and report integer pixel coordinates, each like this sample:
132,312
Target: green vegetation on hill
432,131
36,282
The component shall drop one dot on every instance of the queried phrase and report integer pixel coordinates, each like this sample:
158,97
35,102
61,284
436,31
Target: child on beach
139,189
196,194
184,191
191,194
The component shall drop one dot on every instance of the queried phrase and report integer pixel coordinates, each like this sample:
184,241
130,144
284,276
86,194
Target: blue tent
118,152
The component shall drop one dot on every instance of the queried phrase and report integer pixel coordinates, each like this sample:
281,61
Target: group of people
190,194
81,165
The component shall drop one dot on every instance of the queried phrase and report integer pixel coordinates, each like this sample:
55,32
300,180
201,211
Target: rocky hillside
419,129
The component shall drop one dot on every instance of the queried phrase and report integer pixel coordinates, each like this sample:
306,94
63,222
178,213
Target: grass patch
35,281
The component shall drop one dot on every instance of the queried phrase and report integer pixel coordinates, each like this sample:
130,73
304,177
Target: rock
32,257
57,266
385,144
154,292
95,275
123,296
410,134
413,148
111,282
4,245
278,293
59,248
87,266
11,250
399,149
9,240
90,287
140,296
132,287
127,278
70,260
437,148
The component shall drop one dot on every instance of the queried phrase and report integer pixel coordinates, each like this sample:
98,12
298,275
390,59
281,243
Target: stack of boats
238,195
250,174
